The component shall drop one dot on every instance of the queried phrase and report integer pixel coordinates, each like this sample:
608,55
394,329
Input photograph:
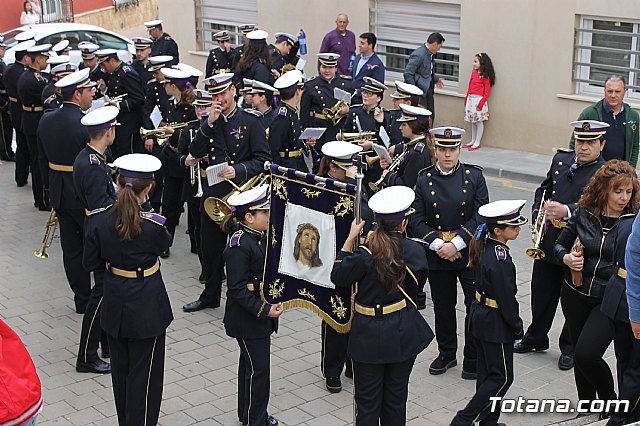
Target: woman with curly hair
476,109
255,63
590,246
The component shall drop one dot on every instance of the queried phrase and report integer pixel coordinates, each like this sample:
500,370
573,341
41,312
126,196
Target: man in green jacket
622,134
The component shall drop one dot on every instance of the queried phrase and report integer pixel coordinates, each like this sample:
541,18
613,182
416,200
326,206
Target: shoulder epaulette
475,166
311,78
420,241
564,150
426,169
99,210
282,111
167,37
94,160
501,253
151,81
347,77
39,77
153,217
234,241
419,147
126,68
253,111
355,105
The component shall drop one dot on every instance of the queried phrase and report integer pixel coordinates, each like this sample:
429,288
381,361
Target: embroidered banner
309,222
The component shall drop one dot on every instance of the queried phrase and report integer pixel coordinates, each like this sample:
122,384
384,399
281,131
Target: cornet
49,232
161,134
538,229
377,185
333,113
113,101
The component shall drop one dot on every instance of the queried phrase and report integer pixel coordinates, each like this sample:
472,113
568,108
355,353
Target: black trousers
71,224
546,282
213,242
43,166
253,380
137,374
444,293
193,224
495,376
22,157
381,392
592,374
91,331
172,202
36,179
629,377
6,136
334,351
428,102
156,194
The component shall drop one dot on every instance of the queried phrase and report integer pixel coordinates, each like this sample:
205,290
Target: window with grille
401,26
604,47
218,15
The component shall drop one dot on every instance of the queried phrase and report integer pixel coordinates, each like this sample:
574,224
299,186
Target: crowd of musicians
426,216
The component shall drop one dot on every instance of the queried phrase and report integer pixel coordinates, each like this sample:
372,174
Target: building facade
550,57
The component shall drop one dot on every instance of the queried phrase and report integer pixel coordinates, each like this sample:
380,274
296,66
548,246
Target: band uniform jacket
318,95
143,72
392,337
564,186
96,74
238,139
10,79
179,113
4,98
416,157
219,61
125,80
496,282
279,60
234,57
614,303
165,45
447,206
92,179
188,190
245,314
286,148
63,137
258,71
135,308
30,87
392,127
267,118
51,98
156,96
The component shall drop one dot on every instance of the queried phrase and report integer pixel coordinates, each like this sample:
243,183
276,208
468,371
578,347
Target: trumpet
377,185
537,234
198,180
49,232
333,113
162,136
355,137
113,101
217,208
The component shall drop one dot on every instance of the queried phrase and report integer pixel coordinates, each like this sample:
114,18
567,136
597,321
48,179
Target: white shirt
29,18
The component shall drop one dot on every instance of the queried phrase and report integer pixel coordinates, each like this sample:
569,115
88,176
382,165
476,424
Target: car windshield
9,38
104,40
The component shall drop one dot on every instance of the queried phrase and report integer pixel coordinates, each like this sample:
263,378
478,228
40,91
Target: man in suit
366,64
420,70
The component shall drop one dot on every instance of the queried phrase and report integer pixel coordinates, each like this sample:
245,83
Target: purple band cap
261,41
175,80
136,175
394,216
85,84
241,210
222,83
103,125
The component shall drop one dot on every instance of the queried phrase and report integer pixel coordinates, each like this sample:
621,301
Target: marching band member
247,318
282,50
135,308
256,61
495,319
387,331
337,158
219,60
405,94
318,95
569,173
123,80
262,99
60,67
609,196
286,149
163,44
417,152
141,62
238,52
177,86
448,195
96,73
219,139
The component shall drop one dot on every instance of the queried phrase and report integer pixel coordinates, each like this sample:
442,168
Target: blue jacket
373,68
418,69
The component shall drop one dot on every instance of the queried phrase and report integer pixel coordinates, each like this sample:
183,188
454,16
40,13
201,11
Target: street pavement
201,361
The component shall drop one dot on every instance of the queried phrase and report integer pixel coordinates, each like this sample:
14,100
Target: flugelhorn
537,233
333,113
377,185
356,136
161,134
49,232
217,208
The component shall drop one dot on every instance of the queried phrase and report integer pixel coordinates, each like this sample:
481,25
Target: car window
9,39
72,36
105,41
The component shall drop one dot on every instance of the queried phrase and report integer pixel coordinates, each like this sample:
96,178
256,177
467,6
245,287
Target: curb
512,174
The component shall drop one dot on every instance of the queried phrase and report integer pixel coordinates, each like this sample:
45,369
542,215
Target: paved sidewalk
201,361
509,164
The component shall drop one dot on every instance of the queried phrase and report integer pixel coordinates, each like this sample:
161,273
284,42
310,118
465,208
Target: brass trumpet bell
535,253
217,208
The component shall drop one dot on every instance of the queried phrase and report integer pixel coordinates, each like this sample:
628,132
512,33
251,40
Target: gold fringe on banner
300,303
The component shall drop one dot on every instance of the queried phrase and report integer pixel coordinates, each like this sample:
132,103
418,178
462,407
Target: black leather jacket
599,250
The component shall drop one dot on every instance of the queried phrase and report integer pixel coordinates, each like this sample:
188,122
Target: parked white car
75,33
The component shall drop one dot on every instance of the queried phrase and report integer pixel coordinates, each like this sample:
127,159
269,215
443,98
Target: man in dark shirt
622,135
163,44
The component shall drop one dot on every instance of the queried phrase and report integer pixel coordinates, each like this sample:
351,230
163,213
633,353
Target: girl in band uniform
387,331
135,307
494,320
247,318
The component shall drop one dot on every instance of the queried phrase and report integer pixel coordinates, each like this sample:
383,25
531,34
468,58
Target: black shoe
271,421
202,278
97,366
80,310
194,250
565,362
198,305
21,184
333,384
441,364
165,254
44,208
348,372
469,373
523,347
